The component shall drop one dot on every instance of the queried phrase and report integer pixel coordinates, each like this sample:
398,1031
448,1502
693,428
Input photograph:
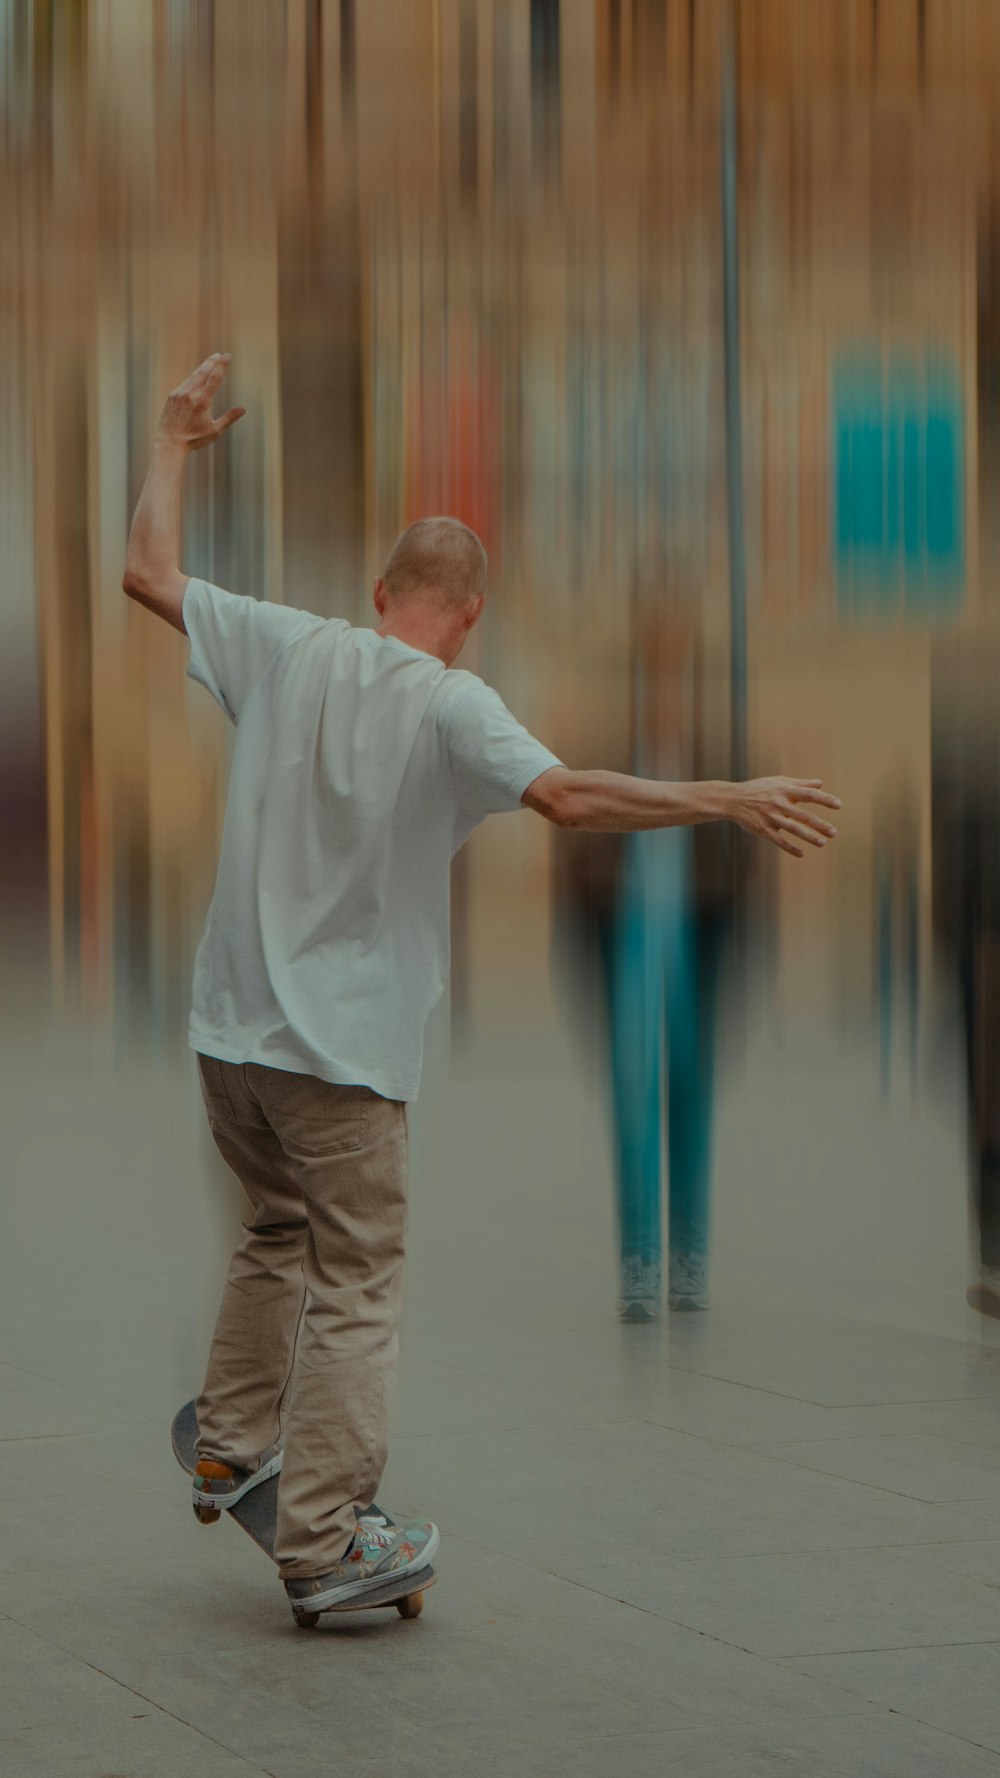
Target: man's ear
475,611
379,596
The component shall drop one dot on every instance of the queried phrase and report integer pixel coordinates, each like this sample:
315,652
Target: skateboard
257,1515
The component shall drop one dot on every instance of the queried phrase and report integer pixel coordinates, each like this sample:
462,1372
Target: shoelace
688,1273
639,1277
375,1533
632,1274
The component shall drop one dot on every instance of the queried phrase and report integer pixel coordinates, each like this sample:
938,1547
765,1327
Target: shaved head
438,555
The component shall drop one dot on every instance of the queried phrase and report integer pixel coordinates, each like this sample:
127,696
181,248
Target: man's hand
774,809
153,574
186,420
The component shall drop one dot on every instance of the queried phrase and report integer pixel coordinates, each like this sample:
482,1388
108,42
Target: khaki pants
305,1346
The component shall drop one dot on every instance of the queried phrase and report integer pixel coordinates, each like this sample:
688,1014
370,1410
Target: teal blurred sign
898,486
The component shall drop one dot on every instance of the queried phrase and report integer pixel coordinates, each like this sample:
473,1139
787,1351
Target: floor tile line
835,1438
399,1438
715,1377
831,1407
876,1487
34,1438
650,1363
134,1692
769,1456
549,1425
849,1549
74,1389
902,1648
973,1500
889,1709
613,1598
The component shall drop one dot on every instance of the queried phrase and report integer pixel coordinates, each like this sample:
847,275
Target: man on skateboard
362,761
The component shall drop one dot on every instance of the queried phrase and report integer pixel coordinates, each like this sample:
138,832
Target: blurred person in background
648,919
965,840
896,937
362,761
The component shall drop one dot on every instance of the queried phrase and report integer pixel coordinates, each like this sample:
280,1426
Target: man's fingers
200,370
803,793
787,816
215,374
781,839
197,377
826,828
230,419
208,375
809,834
201,385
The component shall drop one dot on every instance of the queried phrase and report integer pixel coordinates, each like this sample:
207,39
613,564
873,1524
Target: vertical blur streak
734,420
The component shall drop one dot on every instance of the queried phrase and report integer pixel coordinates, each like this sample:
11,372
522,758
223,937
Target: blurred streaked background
692,311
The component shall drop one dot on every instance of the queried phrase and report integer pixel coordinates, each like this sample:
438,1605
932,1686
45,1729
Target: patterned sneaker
218,1486
639,1289
688,1281
377,1553
373,1512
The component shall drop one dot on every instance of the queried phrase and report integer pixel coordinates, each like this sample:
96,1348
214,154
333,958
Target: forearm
153,575
613,802
154,541
777,809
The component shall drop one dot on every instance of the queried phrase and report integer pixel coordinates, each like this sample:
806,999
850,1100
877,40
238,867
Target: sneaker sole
205,1497
354,1589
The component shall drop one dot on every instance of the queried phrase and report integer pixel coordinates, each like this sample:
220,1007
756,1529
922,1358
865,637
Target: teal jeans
661,965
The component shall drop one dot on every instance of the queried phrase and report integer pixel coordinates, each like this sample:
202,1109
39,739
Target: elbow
556,801
143,583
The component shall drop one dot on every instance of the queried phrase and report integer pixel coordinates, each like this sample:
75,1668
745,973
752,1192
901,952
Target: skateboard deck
257,1515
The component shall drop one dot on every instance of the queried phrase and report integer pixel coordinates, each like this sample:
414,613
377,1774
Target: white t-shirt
360,766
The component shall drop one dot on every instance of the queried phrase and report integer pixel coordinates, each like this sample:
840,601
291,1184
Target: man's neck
425,638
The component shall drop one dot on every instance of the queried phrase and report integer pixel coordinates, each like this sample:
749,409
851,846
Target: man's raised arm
153,575
612,802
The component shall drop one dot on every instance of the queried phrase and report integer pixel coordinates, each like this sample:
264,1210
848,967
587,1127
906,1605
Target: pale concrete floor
764,1537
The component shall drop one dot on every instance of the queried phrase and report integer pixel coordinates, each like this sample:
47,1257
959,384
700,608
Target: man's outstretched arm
611,802
153,575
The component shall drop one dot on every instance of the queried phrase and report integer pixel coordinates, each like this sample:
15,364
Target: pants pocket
214,1093
319,1115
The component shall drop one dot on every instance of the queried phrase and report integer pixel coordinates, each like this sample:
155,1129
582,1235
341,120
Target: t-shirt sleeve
235,639
493,759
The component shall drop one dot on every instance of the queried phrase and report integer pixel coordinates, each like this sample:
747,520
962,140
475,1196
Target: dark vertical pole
314,94
468,129
734,434
545,85
348,58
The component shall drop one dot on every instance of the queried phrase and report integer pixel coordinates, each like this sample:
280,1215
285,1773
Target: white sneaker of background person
640,1288
688,1281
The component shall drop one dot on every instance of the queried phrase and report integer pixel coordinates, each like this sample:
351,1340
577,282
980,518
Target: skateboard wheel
411,1606
306,1620
206,1515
